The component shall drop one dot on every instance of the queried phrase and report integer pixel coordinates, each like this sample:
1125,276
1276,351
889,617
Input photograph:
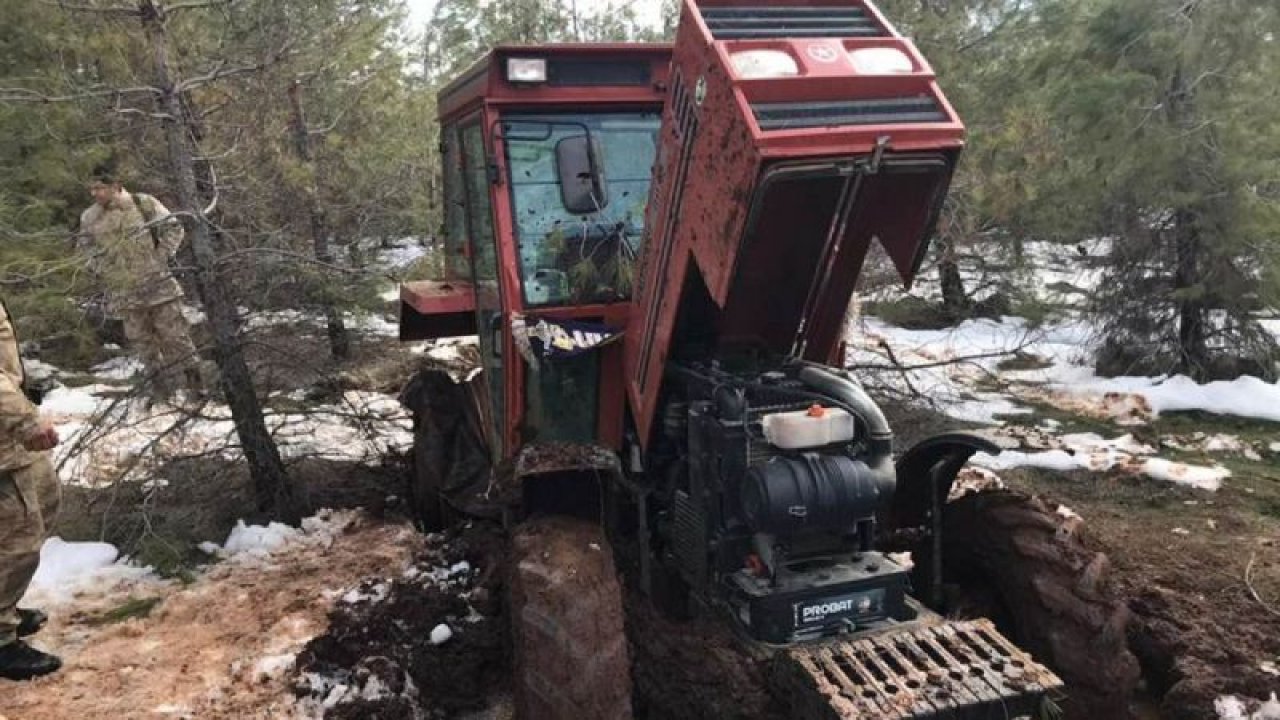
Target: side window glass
457,263
480,208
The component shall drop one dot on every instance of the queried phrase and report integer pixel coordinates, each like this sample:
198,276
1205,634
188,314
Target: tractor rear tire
1051,591
565,601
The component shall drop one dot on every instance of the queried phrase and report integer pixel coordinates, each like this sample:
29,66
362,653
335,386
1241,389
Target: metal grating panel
886,111
956,668
742,23
690,538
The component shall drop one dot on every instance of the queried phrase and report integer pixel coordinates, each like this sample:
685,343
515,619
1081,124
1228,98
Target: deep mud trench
1192,652
386,655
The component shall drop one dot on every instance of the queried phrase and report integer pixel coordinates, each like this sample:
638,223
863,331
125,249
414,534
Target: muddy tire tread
1056,589
571,654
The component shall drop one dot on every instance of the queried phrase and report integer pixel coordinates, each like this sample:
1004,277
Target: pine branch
118,10
26,95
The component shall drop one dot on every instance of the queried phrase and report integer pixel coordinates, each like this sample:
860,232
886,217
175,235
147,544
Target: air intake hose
880,445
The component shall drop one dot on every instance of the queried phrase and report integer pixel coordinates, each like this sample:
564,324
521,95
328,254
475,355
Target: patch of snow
1092,452
1180,531
69,569
376,593
107,437
1068,513
63,401
972,479
1245,396
950,385
335,696
118,368
1230,707
440,634
38,369
273,666
1068,381
1059,460
361,322
1219,443
392,294
1202,478
375,689
902,559
171,709
1092,442
256,539
193,314
398,255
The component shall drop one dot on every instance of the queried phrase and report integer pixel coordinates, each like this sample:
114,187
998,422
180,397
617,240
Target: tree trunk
1188,283
1193,349
954,301
272,486
339,340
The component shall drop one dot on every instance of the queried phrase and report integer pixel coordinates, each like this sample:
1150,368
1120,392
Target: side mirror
582,182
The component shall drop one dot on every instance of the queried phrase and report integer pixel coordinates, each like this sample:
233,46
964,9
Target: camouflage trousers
29,499
162,338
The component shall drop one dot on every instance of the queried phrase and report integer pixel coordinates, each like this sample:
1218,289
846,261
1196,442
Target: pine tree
1167,107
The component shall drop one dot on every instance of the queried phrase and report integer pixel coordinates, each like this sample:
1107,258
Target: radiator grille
882,111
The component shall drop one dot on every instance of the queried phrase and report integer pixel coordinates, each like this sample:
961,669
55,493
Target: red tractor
656,247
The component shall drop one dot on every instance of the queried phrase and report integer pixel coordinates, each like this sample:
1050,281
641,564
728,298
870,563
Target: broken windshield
568,258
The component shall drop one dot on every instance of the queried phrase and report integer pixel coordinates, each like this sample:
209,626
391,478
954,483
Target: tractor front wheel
565,601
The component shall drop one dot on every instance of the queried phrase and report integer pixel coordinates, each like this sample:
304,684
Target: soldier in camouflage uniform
128,240
29,498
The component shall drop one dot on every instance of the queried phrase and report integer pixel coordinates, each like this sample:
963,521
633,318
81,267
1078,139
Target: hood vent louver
752,23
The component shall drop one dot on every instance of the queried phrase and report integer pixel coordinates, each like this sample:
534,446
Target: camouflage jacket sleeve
83,241
18,417
168,227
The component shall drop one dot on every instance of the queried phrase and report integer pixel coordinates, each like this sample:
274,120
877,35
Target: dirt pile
429,644
1194,650
218,647
694,669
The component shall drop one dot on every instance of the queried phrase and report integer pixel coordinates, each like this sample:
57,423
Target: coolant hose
880,444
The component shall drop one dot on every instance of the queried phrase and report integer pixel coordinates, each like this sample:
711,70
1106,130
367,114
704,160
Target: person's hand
44,438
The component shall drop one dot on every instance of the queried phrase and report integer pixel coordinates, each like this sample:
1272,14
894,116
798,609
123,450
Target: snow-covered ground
959,370
108,436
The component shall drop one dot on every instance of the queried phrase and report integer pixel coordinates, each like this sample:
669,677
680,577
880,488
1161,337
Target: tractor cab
547,157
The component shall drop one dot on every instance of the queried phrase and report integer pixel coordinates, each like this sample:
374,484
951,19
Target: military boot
30,621
20,661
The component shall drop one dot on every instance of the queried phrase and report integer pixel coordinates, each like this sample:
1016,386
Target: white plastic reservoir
810,428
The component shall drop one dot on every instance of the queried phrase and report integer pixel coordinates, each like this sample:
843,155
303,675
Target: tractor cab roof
564,75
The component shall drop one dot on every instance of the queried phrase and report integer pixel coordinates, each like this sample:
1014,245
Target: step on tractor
655,247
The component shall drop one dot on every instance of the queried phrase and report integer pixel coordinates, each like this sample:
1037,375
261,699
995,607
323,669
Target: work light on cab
526,70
